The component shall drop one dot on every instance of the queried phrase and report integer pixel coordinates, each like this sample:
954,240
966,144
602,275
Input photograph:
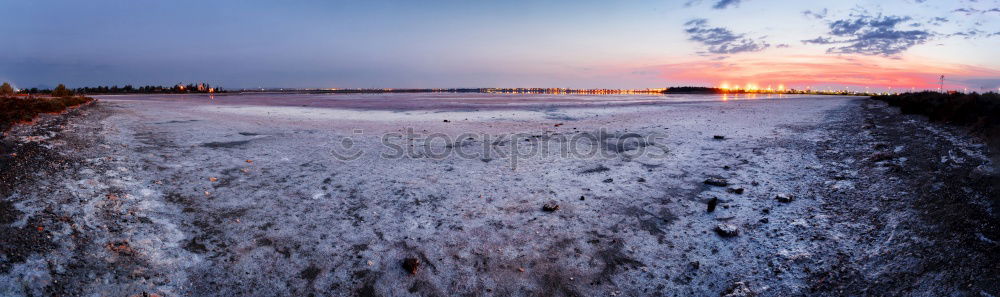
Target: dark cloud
723,4
974,33
972,11
719,4
871,35
721,40
819,14
938,21
990,83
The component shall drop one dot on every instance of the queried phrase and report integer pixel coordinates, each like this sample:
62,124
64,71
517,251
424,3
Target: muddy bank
809,196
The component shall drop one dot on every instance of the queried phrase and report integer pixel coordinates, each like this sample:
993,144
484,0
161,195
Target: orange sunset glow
801,72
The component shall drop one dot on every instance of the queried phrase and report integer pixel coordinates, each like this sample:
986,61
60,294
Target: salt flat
271,194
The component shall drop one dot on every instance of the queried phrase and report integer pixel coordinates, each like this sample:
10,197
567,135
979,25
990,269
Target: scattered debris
782,197
599,168
551,206
881,156
712,203
718,182
411,264
727,230
739,289
718,137
738,191
559,124
212,179
120,247
249,161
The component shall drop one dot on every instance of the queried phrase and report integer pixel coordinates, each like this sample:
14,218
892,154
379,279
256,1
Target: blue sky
514,43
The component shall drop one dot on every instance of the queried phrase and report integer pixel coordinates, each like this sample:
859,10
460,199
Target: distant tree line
7,90
693,90
127,89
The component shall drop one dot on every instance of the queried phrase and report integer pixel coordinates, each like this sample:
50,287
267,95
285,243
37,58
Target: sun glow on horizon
804,72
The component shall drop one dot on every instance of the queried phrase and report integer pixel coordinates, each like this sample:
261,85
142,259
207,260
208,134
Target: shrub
979,112
15,109
6,89
61,91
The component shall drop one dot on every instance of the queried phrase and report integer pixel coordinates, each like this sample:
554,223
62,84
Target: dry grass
15,110
979,112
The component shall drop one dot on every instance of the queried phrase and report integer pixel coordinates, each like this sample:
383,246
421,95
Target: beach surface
495,195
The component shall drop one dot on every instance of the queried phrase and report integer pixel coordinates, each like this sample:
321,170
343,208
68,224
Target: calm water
406,101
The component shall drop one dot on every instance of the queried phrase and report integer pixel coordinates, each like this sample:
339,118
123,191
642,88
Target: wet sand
222,196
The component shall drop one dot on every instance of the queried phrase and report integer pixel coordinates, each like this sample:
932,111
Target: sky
877,44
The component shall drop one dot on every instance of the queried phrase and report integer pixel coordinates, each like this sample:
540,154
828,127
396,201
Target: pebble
727,230
718,182
784,197
411,265
739,289
550,207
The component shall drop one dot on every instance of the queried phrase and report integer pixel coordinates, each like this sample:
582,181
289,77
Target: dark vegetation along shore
978,112
201,88
18,109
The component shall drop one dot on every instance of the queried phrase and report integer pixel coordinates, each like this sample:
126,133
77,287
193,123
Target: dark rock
641,180
718,182
881,156
310,273
784,197
712,203
582,198
718,137
411,265
764,220
727,230
739,289
598,169
735,190
551,206
695,265
609,180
